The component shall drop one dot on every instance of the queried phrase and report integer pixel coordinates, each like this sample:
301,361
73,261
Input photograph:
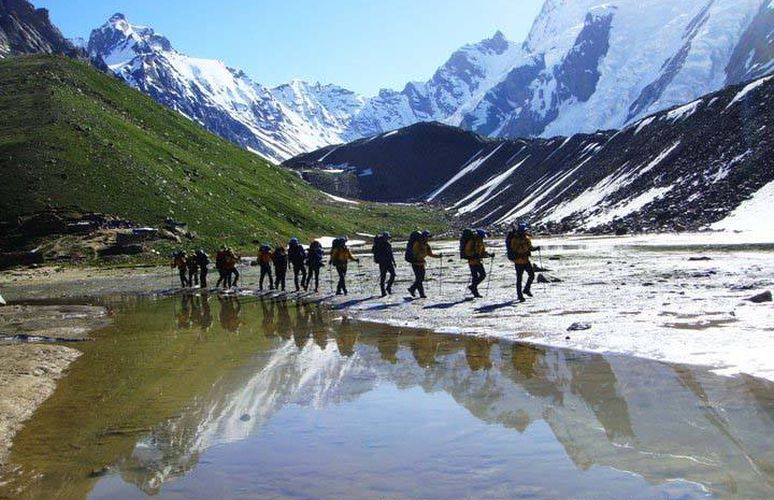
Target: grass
73,137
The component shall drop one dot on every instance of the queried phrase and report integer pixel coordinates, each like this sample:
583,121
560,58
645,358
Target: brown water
242,398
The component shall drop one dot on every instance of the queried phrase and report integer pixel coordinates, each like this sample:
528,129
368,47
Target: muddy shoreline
37,345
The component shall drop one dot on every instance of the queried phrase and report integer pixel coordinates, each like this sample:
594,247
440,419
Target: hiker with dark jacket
220,260
519,250
340,257
265,256
179,262
280,260
202,260
418,250
297,256
315,259
475,252
385,258
193,269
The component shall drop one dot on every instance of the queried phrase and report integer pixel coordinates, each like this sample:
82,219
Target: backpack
379,249
316,255
296,253
508,239
467,235
413,238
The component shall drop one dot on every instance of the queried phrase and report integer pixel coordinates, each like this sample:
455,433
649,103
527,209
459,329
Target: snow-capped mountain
27,30
586,65
222,99
590,65
683,168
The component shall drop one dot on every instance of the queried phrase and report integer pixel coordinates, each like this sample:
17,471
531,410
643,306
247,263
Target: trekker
179,261
385,258
520,248
297,256
314,260
193,269
417,251
202,260
229,267
474,251
220,260
280,260
340,257
265,256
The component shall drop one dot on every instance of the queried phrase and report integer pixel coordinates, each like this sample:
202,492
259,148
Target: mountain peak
117,17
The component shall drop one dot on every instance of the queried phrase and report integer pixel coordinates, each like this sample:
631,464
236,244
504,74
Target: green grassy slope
71,136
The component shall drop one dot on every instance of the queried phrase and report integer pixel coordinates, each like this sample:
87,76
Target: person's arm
351,257
430,252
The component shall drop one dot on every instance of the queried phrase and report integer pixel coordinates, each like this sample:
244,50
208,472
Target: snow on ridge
749,88
471,165
486,189
340,199
753,214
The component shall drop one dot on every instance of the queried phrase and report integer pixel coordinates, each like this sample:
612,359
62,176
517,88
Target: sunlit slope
71,136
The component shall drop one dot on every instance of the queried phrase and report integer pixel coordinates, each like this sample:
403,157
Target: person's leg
303,275
221,278
530,278
183,279
421,282
296,270
519,276
316,279
341,286
203,278
236,277
391,271
382,278
413,288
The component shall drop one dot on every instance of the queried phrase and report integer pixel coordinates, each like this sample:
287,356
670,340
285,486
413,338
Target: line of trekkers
306,263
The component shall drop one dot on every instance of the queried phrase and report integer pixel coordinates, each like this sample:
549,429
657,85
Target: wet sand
33,356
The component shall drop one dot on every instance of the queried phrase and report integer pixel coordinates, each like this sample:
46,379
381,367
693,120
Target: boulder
547,278
131,249
696,259
761,297
11,259
578,326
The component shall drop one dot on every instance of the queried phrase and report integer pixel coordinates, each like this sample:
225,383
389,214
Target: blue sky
363,45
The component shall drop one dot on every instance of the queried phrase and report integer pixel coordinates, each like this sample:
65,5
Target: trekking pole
489,278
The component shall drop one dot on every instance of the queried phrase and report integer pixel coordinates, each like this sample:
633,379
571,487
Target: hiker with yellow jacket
474,251
179,261
417,252
519,250
339,258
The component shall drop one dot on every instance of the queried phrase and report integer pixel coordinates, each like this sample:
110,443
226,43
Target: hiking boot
527,292
411,290
522,299
389,290
384,292
423,296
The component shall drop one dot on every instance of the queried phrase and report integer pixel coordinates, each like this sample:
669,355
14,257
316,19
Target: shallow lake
215,397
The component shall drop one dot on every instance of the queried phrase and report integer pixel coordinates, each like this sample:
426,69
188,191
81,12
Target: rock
761,297
547,278
11,259
620,231
567,337
695,259
578,326
100,471
554,257
245,417
132,249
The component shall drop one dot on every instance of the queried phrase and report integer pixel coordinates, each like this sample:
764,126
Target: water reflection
152,395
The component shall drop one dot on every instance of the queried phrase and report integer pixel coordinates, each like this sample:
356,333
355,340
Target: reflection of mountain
652,419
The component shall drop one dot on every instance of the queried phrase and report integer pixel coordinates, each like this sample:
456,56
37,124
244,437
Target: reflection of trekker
280,260
315,258
340,257
229,313
417,251
474,251
202,260
385,258
264,261
520,247
193,269
179,261
297,256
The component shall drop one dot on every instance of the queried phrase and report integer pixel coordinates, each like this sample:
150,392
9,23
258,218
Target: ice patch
753,215
684,112
340,199
468,167
749,88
